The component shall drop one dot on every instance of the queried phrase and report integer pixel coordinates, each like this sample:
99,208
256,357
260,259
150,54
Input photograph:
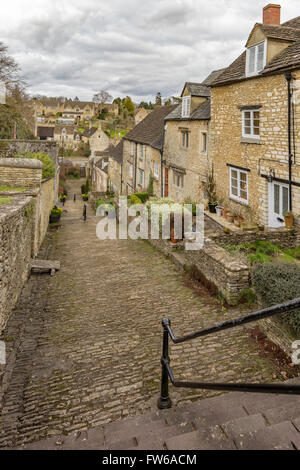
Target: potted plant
288,219
55,215
230,217
85,197
211,192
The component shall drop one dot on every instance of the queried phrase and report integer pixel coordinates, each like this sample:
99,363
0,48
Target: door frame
272,216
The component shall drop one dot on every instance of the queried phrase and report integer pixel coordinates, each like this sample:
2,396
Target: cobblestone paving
85,345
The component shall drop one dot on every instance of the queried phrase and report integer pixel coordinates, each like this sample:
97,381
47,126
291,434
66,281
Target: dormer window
186,107
256,59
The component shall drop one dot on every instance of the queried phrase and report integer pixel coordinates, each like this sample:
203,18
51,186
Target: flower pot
230,218
219,211
173,240
261,228
212,207
289,221
85,198
224,212
54,219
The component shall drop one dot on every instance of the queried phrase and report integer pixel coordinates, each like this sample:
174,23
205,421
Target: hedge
276,284
48,168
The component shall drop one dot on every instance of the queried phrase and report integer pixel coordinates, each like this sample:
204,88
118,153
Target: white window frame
142,152
186,107
141,177
156,170
252,135
204,142
132,149
185,139
130,170
178,179
238,196
255,48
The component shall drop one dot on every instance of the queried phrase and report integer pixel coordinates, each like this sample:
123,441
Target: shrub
278,283
134,199
48,168
142,196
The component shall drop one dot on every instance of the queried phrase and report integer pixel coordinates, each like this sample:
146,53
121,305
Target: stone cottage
255,119
185,151
142,153
96,138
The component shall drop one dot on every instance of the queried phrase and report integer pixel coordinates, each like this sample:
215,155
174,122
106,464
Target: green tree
158,99
128,105
48,168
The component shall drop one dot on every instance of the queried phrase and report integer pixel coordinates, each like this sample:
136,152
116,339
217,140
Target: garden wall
284,238
228,274
16,231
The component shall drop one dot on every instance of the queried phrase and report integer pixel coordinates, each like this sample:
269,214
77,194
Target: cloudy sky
127,47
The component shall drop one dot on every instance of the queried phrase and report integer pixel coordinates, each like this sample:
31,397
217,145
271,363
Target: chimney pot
271,14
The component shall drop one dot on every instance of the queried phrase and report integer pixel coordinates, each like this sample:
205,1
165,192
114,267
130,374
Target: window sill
239,201
249,140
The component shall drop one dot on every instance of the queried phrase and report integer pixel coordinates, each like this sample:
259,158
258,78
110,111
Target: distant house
107,169
2,93
97,139
110,108
142,152
45,133
67,136
65,108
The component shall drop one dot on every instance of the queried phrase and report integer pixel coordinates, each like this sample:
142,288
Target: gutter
289,78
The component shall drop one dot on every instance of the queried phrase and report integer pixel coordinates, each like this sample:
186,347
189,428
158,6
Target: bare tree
102,97
9,69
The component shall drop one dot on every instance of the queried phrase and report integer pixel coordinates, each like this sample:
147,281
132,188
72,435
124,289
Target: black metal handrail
164,400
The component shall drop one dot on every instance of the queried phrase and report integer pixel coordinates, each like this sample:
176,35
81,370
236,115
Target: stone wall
228,274
22,172
277,333
193,159
16,231
284,238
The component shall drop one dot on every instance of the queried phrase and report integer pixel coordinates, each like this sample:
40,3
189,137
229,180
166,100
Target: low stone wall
22,172
284,238
10,148
278,334
227,273
16,231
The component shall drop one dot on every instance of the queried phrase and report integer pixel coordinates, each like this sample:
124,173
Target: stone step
281,436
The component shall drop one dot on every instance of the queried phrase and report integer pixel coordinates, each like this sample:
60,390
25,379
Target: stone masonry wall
269,152
10,148
16,230
228,274
22,172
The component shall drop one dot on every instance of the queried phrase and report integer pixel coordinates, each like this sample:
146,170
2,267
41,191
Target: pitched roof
112,151
212,77
201,112
45,131
289,57
69,129
89,132
197,89
150,130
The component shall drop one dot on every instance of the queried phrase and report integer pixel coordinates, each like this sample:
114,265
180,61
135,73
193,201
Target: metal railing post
164,401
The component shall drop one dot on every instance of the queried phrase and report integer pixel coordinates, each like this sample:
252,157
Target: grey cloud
137,47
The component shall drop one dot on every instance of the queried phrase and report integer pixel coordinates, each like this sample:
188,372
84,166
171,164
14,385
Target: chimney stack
271,14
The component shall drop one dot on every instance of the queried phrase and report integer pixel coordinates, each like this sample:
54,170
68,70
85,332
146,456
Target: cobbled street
84,346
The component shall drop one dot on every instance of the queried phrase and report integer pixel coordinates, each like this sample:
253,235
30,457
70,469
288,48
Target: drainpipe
135,167
161,161
289,77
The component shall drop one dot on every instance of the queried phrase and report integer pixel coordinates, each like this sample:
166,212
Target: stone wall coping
26,192
40,142
221,256
21,163
13,207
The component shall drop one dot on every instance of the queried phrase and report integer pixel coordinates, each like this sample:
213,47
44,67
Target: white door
278,203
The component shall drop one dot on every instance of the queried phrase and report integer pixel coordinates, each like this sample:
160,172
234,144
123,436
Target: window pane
234,174
260,56
247,115
251,60
247,130
276,199
285,199
244,195
243,176
234,191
